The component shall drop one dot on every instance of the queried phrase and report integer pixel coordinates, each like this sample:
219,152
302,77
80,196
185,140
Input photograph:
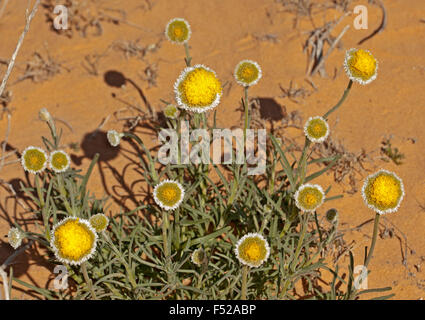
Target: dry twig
29,17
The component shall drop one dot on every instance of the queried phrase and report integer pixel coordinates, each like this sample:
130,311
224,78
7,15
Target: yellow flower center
247,72
34,159
252,250
59,160
178,31
169,194
99,222
384,191
200,88
74,240
362,64
309,198
317,128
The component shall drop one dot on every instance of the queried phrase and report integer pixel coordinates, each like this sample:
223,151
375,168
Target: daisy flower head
252,250
59,161
309,197
34,159
247,73
168,194
316,129
114,137
198,256
383,191
171,111
198,89
178,31
360,65
99,222
15,237
73,240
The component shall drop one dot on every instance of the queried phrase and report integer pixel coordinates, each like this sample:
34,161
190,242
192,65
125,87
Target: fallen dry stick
2,87
18,46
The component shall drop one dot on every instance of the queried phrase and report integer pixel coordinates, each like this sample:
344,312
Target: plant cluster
208,231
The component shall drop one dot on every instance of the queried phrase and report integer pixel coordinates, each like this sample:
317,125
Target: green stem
246,105
39,193
188,58
199,284
164,232
88,280
285,288
52,127
300,242
318,225
347,90
233,192
177,228
374,237
87,176
62,191
244,281
288,222
302,168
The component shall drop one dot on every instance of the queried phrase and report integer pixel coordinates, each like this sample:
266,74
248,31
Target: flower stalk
245,270
344,96
88,280
374,238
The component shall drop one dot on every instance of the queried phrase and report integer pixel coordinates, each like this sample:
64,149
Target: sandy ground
224,32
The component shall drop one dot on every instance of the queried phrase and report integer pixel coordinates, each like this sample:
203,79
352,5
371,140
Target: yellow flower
178,31
15,237
316,129
59,161
171,111
383,191
197,89
168,194
309,197
198,256
247,73
73,240
34,159
252,250
99,222
360,65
